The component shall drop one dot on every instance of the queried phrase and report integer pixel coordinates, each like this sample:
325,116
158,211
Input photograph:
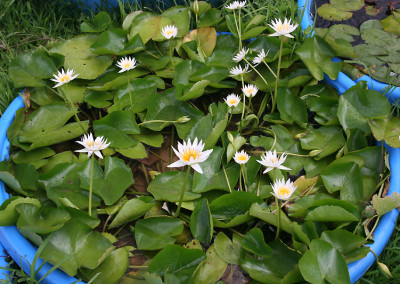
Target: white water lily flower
232,100
241,157
93,146
236,5
284,28
240,55
126,63
169,31
283,190
64,77
191,154
250,90
260,57
238,70
271,161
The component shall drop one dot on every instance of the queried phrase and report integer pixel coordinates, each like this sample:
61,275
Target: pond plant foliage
219,156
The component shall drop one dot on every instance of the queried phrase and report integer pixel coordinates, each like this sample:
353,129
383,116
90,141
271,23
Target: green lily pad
131,210
331,13
157,232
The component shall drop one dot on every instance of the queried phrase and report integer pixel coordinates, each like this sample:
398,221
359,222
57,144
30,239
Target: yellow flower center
242,158
170,32
127,65
250,91
232,101
188,153
283,191
90,143
65,78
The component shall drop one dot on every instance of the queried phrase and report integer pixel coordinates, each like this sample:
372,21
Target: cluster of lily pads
370,43
135,96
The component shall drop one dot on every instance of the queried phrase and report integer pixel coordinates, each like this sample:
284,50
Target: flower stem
182,192
238,29
279,218
91,185
244,104
129,89
170,53
68,100
243,170
277,78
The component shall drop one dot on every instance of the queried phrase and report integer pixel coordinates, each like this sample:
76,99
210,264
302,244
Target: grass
25,25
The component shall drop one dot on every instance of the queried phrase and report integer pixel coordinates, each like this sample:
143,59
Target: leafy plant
153,83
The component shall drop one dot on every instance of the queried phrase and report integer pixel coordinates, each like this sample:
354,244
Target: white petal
197,168
177,164
267,170
98,154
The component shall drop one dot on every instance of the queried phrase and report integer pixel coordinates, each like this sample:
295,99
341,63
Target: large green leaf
62,182
165,107
131,210
83,246
112,269
167,186
279,267
22,178
211,269
347,243
149,25
116,127
111,41
177,261
210,167
80,58
30,69
317,55
345,177
142,91
314,264
359,104
111,184
229,250
41,220
157,232
201,223
386,129
253,242
46,126
323,141
9,214
267,215
291,107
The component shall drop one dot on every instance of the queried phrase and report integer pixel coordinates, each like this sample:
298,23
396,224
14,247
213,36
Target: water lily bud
196,7
153,174
183,119
300,135
384,269
314,153
230,137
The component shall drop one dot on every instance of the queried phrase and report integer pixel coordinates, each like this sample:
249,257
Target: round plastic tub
387,223
19,248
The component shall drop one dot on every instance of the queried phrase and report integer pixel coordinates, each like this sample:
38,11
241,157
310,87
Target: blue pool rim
19,248
387,223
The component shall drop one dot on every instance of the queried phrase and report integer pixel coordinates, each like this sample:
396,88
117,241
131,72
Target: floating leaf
177,261
168,185
41,220
201,224
229,251
9,214
313,265
382,205
359,104
131,210
317,56
111,269
116,127
111,184
211,269
83,246
332,13
254,242
157,232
